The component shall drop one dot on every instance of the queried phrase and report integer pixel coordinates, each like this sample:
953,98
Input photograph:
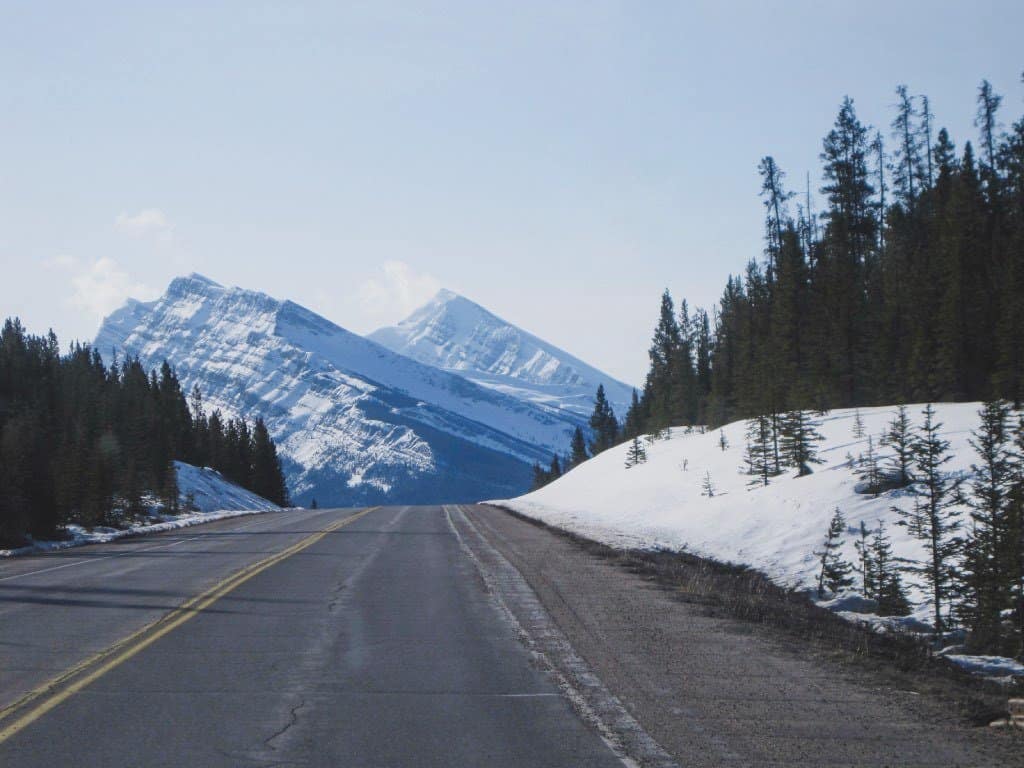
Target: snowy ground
776,529
213,497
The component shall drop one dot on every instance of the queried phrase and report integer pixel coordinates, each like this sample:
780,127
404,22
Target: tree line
907,287
81,442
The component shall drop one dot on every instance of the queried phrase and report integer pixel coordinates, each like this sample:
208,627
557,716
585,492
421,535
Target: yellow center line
54,692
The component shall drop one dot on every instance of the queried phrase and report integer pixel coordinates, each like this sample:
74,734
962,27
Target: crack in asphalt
293,718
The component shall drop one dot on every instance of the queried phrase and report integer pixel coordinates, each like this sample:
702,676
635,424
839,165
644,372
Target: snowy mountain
355,423
455,334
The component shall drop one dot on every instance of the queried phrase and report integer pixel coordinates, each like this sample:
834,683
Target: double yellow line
37,702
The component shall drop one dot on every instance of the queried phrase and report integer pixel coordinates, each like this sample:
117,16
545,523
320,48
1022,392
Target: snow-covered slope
776,528
355,422
204,494
455,334
205,490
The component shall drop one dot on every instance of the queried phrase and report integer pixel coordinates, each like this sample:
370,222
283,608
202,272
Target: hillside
775,529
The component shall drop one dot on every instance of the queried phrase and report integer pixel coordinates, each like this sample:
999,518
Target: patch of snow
213,496
999,668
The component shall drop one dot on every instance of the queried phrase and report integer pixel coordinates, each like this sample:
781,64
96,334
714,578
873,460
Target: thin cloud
98,287
396,292
149,222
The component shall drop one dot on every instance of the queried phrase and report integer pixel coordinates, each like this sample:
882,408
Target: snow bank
996,667
212,496
776,529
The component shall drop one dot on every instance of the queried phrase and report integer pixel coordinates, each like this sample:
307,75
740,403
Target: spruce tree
835,571
635,421
899,438
870,472
907,166
888,585
578,449
1015,540
798,441
858,425
664,356
758,454
555,468
636,454
989,578
866,562
707,487
933,520
603,425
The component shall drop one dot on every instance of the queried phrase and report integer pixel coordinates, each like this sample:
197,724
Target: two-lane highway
333,638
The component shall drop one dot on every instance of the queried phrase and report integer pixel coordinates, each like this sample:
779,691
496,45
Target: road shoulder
715,691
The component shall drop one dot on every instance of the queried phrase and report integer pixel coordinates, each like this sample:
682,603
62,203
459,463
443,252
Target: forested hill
84,443
907,287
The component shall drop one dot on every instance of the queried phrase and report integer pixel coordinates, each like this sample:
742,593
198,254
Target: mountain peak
445,295
193,283
456,334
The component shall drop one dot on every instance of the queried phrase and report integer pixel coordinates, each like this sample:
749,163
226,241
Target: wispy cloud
149,222
100,286
396,292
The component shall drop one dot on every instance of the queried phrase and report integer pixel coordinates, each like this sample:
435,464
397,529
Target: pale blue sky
558,162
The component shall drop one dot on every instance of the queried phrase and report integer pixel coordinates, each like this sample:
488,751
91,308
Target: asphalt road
305,638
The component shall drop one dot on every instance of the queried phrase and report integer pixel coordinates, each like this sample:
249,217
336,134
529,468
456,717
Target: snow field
775,529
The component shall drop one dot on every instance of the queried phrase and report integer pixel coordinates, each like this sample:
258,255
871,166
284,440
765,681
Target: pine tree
707,487
603,425
835,571
845,252
1015,539
865,562
888,586
989,578
267,477
578,449
933,520
633,426
799,438
540,477
870,473
899,438
664,356
758,454
907,168
986,122
775,199
635,454
723,443
858,425
555,468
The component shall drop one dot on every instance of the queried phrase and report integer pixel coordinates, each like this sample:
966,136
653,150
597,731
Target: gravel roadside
715,691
